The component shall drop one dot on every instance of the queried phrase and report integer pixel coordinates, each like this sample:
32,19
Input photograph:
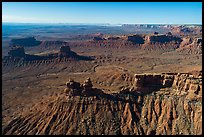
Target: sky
103,12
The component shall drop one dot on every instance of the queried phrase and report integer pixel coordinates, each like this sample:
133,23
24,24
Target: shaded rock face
25,42
164,112
66,52
73,88
17,51
164,39
155,33
198,41
169,33
137,39
143,82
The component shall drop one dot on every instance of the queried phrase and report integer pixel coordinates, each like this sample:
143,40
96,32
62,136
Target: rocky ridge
172,107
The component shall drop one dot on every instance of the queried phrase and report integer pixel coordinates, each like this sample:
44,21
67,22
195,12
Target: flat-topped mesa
77,89
163,39
137,39
181,82
17,52
25,42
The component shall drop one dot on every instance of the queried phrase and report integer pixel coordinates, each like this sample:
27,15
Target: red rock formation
166,112
184,83
191,47
77,89
17,51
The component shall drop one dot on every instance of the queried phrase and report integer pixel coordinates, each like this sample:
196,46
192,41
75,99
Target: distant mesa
137,39
164,39
17,53
183,30
25,42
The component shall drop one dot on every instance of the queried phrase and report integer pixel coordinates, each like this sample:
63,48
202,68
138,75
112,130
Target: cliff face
167,111
191,46
137,39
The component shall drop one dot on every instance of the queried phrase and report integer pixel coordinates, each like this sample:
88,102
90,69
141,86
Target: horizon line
106,23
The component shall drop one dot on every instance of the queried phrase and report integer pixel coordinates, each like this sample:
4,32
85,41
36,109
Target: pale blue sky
103,12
